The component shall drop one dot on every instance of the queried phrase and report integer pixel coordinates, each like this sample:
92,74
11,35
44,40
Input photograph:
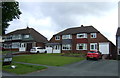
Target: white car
38,50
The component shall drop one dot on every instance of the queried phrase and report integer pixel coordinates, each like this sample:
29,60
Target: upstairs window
66,36
82,35
26,36
93,35
15,37
57,37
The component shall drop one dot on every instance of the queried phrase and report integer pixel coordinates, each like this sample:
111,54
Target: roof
118,32
36,35
75,30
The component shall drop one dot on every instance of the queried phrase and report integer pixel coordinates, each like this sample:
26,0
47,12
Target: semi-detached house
81,40
23,40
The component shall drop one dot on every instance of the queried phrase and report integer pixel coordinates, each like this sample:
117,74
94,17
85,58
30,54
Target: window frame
67,36
26,36
84,35
57,37
16,45
66,45
93,35
84,45
95,46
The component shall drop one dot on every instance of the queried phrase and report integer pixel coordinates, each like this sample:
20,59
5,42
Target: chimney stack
82,26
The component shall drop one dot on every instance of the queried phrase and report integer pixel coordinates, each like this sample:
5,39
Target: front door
57,49
22,47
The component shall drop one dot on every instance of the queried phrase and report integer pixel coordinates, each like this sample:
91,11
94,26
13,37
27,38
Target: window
15,45
66,36
26,36
7,38
14,37
7,45
93,46
66,47
82,35
93,35
57,37
81,46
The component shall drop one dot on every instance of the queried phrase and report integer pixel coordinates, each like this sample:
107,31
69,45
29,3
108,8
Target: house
23,40
118,41
81,40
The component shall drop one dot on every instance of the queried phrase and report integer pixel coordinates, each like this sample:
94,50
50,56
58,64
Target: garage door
104,48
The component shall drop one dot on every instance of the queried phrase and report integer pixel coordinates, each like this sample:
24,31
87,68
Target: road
82,68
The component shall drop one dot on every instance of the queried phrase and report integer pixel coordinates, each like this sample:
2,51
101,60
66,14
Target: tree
10,11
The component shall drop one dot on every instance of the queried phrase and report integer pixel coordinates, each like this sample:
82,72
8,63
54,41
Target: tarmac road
82,68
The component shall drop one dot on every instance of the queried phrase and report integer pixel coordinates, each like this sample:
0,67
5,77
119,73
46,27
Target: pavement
82,68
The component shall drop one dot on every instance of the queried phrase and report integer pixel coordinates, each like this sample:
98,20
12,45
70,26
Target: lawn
22,68
5,52
47,59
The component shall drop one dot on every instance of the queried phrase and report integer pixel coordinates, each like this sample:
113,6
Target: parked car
94,55
38,50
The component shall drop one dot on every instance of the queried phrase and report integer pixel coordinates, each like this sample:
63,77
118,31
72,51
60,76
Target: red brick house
81,40
23,40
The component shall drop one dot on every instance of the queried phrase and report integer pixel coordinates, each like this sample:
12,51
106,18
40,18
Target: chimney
82,26
27,27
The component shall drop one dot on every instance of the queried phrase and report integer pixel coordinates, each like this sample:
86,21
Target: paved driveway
82,68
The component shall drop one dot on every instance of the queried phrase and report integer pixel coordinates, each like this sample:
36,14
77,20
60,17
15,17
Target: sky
49,18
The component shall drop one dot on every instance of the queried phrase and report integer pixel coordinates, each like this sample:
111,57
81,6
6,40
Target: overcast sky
49,18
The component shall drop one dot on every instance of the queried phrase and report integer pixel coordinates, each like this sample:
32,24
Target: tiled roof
75,30
36,35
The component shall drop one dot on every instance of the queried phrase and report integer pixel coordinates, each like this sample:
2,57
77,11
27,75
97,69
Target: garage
104,47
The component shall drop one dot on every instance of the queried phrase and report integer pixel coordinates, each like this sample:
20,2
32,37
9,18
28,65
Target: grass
22,68
47,59
5,52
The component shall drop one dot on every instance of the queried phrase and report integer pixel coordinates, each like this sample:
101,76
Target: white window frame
84,35
15,37
57,37
66,36
66,45
93,35
26,36
81,44
7,46
16,45
95,46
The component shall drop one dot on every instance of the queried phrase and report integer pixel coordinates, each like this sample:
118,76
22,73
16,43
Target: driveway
82,68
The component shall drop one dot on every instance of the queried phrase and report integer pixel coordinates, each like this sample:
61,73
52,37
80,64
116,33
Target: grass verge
47,59
22,68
